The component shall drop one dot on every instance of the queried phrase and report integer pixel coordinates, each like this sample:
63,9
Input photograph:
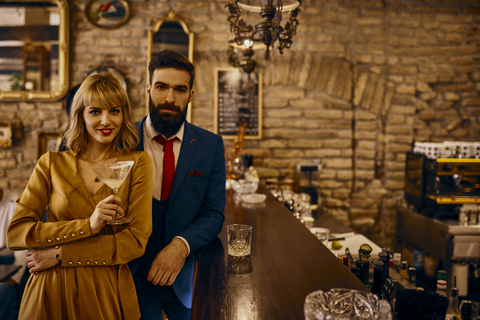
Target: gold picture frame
5,134
49,141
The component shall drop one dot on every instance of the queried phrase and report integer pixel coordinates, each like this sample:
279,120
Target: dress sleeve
80,247
130,241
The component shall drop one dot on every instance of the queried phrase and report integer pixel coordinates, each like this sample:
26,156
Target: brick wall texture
363,80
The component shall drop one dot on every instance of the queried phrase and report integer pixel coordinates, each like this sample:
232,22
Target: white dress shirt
155,151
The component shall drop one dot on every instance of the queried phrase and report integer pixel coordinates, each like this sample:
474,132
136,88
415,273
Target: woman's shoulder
137,156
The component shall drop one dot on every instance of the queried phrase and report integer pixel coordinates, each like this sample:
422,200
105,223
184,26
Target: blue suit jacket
197,202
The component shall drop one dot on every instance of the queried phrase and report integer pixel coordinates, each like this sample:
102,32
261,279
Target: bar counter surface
287,262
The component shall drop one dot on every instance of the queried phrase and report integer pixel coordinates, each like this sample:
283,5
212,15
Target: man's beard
167,123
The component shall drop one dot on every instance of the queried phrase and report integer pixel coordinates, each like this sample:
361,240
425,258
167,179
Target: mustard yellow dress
93,280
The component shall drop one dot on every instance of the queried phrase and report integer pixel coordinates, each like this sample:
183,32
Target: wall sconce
267,31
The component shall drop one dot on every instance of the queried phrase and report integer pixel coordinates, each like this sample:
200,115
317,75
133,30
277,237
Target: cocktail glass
113,175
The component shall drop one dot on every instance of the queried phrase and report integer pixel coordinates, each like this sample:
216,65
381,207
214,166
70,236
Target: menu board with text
238,99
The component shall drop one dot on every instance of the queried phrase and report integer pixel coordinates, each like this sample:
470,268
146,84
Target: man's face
169,96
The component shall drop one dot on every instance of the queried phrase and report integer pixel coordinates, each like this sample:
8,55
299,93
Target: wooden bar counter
287,262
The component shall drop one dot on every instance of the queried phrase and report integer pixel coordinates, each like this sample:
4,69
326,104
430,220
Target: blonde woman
78,262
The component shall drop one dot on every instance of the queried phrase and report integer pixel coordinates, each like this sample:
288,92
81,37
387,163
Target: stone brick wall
363,80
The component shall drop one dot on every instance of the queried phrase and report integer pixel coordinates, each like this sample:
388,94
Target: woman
78,261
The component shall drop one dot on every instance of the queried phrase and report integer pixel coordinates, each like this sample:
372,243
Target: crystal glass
239,239
113,175
345,304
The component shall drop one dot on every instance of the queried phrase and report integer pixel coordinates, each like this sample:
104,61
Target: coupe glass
113,175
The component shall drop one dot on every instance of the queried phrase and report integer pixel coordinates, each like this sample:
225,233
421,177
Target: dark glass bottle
365,251
466,310
377,288
453,312
388,286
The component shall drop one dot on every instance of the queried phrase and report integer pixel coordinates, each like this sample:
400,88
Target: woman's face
103,124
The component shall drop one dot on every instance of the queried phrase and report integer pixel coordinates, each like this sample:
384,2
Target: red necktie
168,166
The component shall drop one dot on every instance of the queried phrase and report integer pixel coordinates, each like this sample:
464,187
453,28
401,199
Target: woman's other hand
43,258
105,211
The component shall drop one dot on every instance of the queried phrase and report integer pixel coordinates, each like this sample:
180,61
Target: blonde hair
106,90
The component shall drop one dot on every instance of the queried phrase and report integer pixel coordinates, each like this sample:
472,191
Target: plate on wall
107,14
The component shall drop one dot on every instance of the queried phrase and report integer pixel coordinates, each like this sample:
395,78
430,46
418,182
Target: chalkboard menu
238,98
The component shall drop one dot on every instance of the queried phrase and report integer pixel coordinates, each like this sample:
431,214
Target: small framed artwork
5,134
49,141
238,101
107,14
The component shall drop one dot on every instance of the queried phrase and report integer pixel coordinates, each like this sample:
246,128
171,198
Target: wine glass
113,175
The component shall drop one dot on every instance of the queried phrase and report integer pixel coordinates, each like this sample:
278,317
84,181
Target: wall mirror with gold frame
172,33
34,50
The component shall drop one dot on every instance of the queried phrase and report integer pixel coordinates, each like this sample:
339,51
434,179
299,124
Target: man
190,214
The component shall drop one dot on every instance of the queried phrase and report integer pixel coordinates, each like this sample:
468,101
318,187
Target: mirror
34,50
172,33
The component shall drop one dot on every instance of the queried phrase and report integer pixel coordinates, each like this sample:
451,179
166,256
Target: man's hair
171,59
105,89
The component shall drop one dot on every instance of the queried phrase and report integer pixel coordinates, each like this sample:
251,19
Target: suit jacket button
70,263
49,241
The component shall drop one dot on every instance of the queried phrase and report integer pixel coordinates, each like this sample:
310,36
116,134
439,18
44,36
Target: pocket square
195,173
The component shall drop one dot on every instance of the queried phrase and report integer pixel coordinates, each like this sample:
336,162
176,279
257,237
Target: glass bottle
412,277
453,312
366,250
388,286
397,260
404,269
442,282
377,288
466,310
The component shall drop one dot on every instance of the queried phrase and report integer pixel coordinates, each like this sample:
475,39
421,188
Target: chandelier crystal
268,31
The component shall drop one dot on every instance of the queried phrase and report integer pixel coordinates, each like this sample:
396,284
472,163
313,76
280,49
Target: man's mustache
168,106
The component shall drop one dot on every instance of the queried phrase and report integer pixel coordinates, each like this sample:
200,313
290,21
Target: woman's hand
43,259
105,211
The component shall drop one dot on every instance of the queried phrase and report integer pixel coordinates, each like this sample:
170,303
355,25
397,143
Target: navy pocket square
195,173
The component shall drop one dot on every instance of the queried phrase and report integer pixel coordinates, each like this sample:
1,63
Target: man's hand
168,263
42,259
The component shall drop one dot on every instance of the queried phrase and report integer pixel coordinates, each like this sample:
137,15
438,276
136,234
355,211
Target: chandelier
267,31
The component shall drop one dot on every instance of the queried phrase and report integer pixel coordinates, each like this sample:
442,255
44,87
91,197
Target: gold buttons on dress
58,239
73,235
79,263
65,237
70,263
56,247
103,262
96,262
49,241
82,233
87,263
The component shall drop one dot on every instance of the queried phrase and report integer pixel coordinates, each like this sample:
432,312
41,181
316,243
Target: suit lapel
187,152
140,146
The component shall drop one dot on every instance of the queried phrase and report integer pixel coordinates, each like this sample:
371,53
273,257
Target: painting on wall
107,14
49,141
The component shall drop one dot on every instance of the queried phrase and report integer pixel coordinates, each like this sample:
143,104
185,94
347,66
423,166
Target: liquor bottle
404,269
366,250
356,271
453,312
346,262
412,277
377,288
397,260
388,286
442,282
466,310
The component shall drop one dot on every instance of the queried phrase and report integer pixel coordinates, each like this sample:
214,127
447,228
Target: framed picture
238,101
49,141
107,14
5,134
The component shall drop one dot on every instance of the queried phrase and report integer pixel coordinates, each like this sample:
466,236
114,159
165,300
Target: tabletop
287,262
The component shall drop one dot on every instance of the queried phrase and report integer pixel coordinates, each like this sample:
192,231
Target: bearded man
188,192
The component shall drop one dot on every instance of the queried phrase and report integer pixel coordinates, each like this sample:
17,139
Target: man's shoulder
201,131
